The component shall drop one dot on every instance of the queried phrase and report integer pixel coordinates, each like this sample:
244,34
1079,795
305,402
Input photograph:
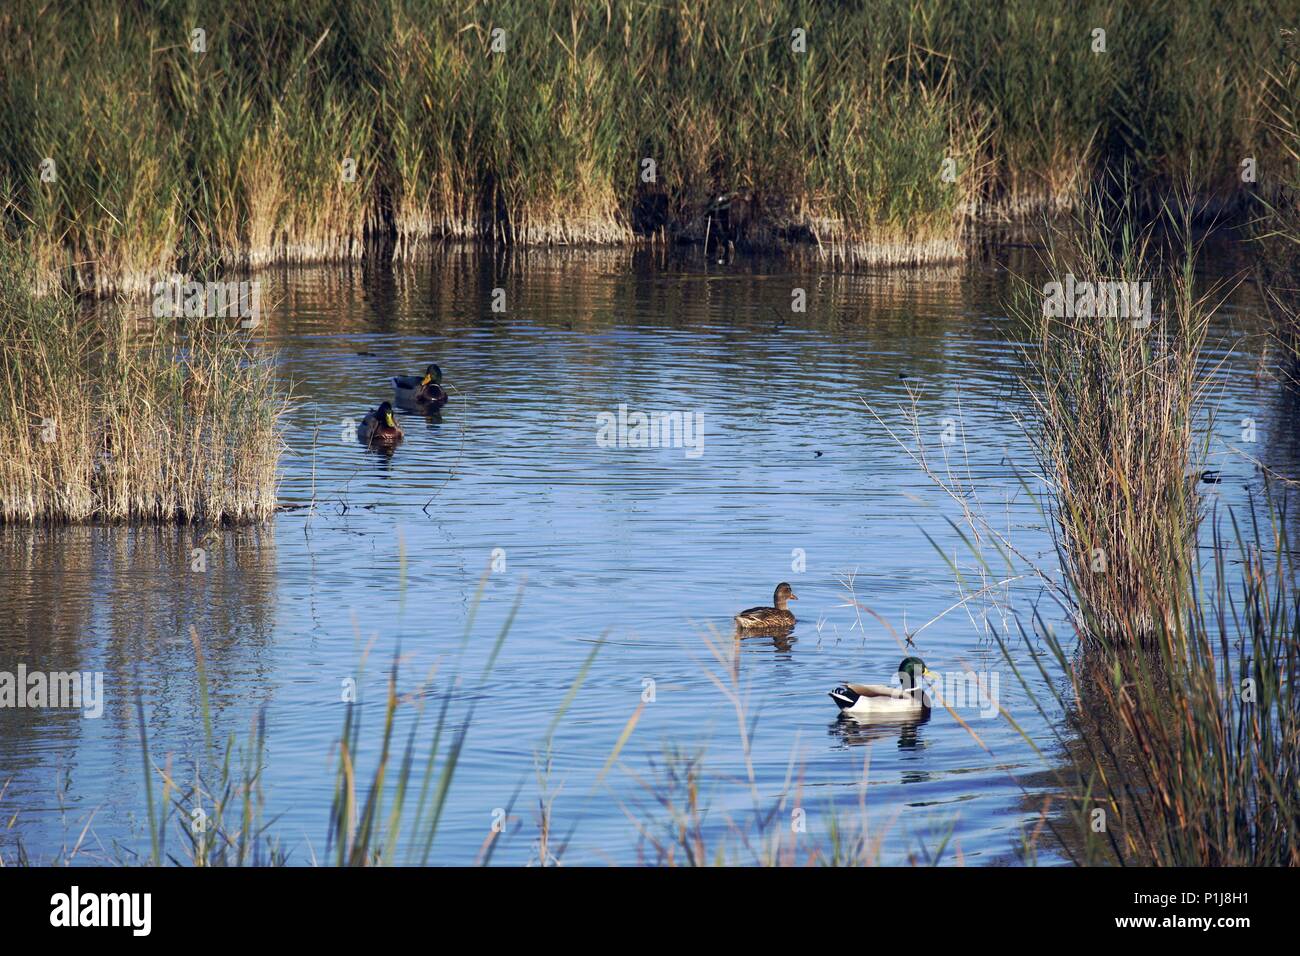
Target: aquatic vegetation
1183,750
1187,752
1177,732
1180,743
1276,227
1115,383
138,138
117,419
1185,745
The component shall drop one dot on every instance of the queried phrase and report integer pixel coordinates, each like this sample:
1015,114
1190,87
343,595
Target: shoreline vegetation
104,418
1276,230
1182,716
1178,736
1116,398
132,146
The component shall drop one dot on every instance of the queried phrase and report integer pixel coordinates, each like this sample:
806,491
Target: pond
642,554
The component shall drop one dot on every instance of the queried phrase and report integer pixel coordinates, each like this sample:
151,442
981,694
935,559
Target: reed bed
328,130
1177,733
1115,390
110,418
1187,752
1276,228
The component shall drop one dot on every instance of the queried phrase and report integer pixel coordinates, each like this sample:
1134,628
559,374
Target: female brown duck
767,618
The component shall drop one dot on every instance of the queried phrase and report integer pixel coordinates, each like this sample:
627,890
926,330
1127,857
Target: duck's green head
432,374
915,669
386,415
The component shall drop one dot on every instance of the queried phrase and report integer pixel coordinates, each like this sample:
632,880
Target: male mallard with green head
426,392
880,700
379,427
767,618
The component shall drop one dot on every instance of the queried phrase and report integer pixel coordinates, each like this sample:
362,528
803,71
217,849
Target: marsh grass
1115,400
1177,731
110,418
1187,752
173,160
1275,231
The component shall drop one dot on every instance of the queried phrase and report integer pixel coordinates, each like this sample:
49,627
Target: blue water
641,555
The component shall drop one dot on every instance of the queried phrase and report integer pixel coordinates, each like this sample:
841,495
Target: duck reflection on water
856,731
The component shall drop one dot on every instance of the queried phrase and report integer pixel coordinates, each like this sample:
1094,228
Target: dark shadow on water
123,602
380,293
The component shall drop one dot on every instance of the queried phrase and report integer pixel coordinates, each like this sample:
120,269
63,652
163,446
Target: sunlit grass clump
112,418
1115,389
1182,738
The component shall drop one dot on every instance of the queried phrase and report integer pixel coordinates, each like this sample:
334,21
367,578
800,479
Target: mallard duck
872,700
380,427
426,392
761,618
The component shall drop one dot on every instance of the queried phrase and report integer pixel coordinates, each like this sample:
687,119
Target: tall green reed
1186,752
1275,230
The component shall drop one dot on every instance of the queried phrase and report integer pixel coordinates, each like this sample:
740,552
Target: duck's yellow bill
929,673
426,380
388,419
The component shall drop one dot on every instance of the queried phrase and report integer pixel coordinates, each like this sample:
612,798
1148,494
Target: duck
884,700
426,392
379,427
766,618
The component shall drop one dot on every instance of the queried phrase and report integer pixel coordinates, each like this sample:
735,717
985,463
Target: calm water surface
648,550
